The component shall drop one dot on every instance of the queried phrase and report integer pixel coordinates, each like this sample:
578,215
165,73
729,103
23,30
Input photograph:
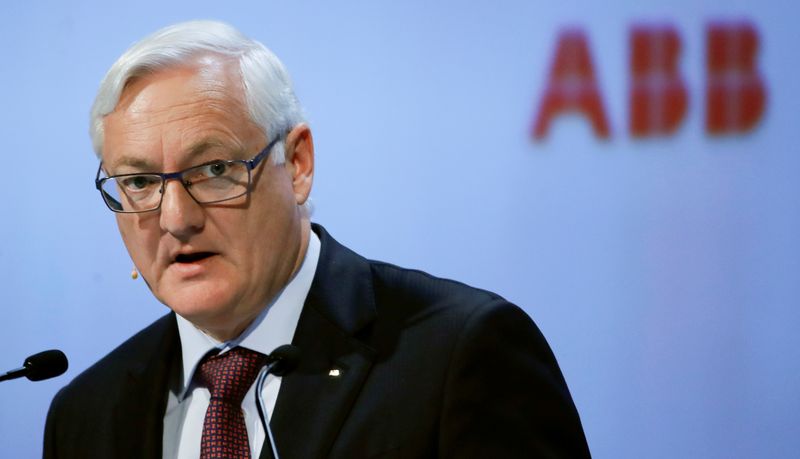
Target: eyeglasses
214,181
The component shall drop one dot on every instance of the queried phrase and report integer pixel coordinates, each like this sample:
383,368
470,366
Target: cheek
243,232
257,236
137,240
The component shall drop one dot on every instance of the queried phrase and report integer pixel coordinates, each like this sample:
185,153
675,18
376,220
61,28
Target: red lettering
658,96
735,93
571,86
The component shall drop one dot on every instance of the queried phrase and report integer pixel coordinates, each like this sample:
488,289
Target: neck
305,234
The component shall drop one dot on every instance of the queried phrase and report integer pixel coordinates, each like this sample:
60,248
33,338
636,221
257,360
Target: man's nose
181,215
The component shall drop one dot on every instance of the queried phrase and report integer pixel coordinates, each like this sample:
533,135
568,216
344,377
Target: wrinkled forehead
170,110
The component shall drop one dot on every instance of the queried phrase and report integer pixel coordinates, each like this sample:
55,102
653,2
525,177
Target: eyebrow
203,145
135,163
196,149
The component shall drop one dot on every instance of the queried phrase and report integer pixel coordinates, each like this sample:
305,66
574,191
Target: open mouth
192,257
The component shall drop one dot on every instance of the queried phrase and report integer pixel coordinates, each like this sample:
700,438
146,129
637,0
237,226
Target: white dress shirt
186,405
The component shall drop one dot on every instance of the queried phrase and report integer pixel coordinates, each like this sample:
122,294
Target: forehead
170,113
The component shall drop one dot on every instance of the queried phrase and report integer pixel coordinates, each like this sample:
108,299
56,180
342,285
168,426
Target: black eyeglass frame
249,163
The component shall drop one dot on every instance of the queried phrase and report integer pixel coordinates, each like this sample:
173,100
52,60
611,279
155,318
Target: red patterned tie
227,376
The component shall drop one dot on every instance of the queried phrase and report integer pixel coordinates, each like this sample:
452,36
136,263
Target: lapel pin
334,372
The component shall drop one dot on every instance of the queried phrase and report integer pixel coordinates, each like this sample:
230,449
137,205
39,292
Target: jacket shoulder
96,413
414,287
131,355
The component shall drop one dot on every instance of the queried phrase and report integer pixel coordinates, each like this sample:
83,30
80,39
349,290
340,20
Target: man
208,164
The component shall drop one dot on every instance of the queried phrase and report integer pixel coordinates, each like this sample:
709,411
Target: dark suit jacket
428,368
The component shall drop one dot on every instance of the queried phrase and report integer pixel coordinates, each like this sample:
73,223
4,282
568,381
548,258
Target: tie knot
228,376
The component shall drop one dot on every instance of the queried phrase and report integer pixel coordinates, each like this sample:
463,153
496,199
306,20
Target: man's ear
299,152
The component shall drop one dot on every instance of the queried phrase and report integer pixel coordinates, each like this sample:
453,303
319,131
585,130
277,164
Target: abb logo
658,97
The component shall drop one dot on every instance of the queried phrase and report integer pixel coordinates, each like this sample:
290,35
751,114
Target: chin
206,309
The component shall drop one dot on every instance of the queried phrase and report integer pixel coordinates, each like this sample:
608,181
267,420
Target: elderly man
208,165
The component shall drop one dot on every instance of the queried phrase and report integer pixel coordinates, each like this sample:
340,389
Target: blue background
664,272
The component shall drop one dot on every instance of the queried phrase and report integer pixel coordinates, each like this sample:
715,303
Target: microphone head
45,365
285,358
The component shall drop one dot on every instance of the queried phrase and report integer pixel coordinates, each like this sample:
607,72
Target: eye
139,182
215,169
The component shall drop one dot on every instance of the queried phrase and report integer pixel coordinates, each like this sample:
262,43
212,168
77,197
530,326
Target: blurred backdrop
622,170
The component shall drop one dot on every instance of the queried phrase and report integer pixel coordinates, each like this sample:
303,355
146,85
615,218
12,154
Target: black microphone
44,365
283,359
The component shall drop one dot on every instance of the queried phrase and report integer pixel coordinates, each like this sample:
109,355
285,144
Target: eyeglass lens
207,183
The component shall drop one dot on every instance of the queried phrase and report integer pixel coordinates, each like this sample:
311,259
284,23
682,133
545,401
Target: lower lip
191,269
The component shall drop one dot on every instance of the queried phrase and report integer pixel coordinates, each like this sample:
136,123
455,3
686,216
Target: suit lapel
316,397
142,398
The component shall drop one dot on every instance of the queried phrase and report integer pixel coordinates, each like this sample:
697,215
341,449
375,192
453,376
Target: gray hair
268,91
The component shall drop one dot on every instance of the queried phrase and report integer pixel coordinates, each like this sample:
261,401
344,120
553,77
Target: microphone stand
262,410
14,374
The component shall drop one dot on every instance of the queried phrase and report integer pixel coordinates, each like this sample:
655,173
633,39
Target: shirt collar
274,326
